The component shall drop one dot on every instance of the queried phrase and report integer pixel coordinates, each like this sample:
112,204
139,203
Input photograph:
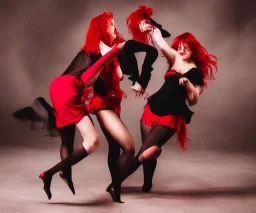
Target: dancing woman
104,101
67,96
167,111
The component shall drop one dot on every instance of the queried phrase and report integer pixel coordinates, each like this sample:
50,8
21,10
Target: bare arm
193,91
170,54
103,50
90,76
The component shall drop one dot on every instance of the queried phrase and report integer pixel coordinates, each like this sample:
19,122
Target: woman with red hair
104,101
166,112
67,95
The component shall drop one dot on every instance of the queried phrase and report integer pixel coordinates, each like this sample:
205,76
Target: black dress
168,105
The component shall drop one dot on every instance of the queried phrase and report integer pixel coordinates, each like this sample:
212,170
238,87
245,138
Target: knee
91,144
150,153
130,149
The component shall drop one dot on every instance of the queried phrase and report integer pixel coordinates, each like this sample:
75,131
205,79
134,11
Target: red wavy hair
133,20
207,63
97,32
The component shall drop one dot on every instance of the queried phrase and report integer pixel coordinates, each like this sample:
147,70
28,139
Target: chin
114,38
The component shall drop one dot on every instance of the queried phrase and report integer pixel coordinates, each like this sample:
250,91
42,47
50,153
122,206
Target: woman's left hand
183,81
137,89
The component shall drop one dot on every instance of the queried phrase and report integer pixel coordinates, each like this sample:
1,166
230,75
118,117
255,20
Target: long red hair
206,62
144,12
97,32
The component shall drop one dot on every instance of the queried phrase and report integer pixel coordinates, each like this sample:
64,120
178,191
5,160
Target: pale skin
110,122
85,126
179,60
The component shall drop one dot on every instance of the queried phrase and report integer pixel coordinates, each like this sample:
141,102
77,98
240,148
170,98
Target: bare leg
89,145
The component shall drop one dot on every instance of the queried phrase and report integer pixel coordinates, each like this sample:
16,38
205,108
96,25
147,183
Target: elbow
193,101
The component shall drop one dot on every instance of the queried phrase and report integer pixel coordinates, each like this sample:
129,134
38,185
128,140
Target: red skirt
176,122
96,102
66,94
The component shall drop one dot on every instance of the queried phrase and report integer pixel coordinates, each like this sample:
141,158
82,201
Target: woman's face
184,50
111,29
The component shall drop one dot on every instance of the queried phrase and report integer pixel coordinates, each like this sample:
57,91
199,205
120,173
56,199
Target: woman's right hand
145,27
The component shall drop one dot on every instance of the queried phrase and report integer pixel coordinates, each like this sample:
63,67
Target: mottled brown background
40,38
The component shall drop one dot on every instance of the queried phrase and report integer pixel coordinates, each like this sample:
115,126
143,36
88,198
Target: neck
189,61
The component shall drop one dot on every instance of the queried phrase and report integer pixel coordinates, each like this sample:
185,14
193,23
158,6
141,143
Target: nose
182,50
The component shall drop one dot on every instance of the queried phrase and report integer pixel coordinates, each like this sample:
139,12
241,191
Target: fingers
145,27
138,94
146,95
181,81
149,28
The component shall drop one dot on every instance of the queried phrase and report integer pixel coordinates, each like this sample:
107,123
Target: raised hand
145,27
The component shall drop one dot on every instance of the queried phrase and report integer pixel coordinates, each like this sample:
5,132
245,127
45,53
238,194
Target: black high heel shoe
109,187
164,32
115,193
47,184
68,181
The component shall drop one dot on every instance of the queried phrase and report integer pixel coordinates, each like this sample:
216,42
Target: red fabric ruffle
176,122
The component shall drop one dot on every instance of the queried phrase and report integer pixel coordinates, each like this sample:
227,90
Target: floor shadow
198,193
97,202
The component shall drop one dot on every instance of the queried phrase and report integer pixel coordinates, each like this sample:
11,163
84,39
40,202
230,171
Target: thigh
87,129
67,134
115,128
158,136
113,145
145,131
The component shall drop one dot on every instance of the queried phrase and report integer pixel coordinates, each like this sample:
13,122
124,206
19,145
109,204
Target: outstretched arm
170,54
90,76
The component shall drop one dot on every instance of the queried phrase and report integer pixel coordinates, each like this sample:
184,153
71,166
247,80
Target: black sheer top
126,59
170,99
81,63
